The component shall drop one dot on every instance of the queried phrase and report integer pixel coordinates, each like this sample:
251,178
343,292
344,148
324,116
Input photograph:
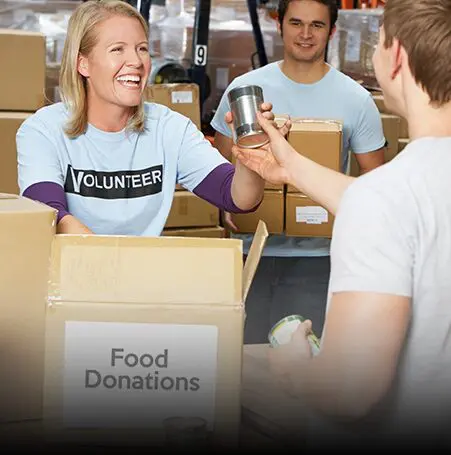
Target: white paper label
182,97
352,53
137,374
222,78
311,215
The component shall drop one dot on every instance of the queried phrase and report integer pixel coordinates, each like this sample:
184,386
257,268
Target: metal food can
281,332
244,102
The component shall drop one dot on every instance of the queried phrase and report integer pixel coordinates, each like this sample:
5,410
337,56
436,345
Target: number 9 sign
200,56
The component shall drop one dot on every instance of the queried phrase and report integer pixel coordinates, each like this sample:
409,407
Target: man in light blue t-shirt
294,272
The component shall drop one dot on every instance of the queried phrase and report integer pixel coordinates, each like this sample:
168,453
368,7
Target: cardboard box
141,329
180,97
9,124
402,142
403,128
27,229
189,210
306,218
271,211
210,232
390,126
317,139
22,79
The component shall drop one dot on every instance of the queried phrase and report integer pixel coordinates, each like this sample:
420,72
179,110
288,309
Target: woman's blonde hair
81,38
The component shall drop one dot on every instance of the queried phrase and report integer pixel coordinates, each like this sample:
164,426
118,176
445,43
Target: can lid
253,140
245,90
291,318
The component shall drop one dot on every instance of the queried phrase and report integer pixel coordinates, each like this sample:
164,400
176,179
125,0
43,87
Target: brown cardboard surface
390,124
22,79
302,222
26,232
180,97
402,142
211,232
9,124
319,140
189,210
271,211
176,299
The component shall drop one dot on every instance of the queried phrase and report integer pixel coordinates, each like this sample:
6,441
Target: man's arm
359,354
224,145
71,225
371,160
369,312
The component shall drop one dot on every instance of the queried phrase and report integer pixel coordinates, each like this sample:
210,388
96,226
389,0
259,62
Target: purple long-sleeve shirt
216,188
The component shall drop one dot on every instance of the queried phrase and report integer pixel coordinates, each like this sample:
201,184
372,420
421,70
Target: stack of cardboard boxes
285,210
22,92
190,215
403,130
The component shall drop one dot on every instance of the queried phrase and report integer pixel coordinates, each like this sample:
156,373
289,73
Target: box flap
11,203
8,196
143,270
312,124
14,115
253,258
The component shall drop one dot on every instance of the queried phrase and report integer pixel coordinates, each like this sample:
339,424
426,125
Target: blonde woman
104,158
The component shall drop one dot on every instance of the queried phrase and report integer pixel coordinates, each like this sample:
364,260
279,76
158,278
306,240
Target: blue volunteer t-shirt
116,183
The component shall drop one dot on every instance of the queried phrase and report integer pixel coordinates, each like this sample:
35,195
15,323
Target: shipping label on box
142,329
306,218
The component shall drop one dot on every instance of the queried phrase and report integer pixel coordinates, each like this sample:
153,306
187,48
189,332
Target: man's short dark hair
331,5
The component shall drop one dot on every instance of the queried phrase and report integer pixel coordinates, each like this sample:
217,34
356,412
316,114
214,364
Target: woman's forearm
247,187
70,225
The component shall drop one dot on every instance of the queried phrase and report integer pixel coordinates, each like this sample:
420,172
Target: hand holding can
244,102
281,332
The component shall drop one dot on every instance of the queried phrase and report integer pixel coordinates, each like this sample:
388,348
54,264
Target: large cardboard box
189,210
9,124
211,232
27,229
271,211
22,78
306,218
319,140
143,329
180,97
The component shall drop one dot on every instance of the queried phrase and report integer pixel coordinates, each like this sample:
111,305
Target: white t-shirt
392,235
335,96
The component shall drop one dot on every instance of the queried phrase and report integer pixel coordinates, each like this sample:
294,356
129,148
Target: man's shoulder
348,85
